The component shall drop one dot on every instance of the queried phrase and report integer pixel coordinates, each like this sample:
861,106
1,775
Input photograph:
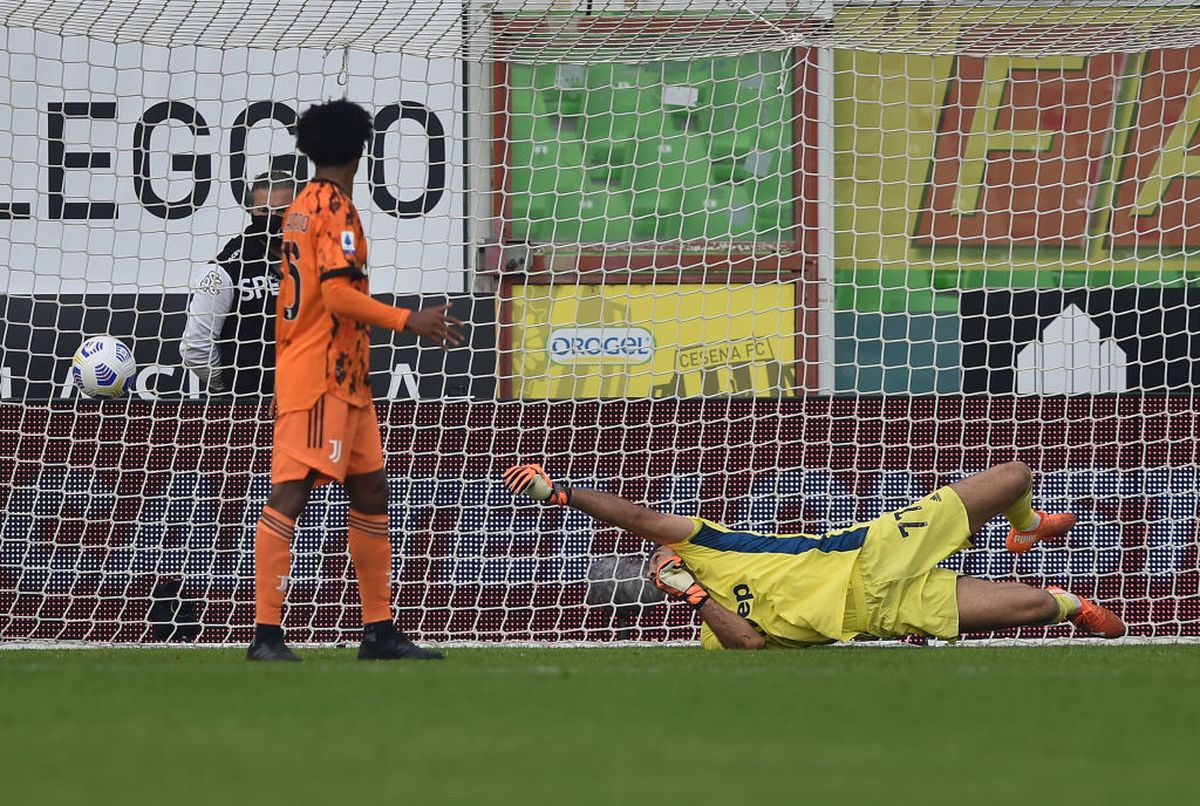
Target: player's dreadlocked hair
333,133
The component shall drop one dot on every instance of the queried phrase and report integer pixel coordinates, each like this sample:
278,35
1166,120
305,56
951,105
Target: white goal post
783,264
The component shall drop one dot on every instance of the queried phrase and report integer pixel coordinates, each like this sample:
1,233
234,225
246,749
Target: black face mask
270,224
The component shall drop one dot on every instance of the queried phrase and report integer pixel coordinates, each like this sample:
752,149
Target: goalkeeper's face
659,555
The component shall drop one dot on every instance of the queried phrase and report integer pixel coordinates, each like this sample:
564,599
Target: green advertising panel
613,153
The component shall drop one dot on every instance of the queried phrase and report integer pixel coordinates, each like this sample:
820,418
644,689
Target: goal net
783,264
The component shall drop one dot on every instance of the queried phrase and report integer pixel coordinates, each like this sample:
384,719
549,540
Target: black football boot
268,645
382,641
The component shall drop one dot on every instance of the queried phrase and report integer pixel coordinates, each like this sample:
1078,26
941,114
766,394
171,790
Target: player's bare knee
1015,477
288,499
372,503
368,493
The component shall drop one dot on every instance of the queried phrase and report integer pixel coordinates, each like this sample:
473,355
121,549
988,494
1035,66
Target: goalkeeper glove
672,577
532,481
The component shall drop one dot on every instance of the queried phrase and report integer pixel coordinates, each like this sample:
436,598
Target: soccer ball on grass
103,367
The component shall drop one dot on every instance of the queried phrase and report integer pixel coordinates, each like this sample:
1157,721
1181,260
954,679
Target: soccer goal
783,264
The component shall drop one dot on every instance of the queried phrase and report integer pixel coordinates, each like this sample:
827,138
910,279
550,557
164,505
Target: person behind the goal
228,340
326,428
879,578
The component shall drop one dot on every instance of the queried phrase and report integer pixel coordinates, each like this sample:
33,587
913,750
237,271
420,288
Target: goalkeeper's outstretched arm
666,568
659,527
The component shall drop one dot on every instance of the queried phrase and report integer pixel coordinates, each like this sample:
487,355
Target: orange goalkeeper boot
1048,526
1094,619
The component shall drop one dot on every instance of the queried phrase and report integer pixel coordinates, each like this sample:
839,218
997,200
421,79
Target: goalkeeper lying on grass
879,578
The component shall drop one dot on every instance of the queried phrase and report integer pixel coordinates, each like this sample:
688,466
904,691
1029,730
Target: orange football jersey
317,351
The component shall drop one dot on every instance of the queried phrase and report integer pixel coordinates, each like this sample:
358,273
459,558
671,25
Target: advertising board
124,165
42,333
650,340
110,499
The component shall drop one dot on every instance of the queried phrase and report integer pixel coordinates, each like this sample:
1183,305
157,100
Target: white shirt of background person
214,294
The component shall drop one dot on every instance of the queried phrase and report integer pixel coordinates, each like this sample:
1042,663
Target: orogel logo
625,345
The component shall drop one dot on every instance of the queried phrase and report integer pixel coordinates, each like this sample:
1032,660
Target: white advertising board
122,166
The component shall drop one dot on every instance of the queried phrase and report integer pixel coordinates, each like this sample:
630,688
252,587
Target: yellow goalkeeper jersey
792,588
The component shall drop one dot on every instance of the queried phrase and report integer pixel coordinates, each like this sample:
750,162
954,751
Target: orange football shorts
333,438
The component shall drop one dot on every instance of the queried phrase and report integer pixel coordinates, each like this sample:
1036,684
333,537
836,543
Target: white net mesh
628,30
783,265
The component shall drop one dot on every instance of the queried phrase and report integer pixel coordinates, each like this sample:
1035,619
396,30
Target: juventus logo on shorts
284,581
335,453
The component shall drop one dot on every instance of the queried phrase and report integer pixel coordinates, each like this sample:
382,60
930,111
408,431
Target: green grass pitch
1033,725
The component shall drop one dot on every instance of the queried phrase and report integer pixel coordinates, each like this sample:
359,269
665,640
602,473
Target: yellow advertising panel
688,340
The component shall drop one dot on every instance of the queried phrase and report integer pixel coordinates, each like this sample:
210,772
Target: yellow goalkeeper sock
1020,512
1068,604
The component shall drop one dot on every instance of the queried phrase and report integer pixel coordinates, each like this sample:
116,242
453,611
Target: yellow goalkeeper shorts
896,587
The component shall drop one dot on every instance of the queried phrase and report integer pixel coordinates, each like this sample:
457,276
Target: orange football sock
372,555
272,564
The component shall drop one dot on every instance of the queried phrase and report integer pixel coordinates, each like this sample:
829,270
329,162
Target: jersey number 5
291,256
